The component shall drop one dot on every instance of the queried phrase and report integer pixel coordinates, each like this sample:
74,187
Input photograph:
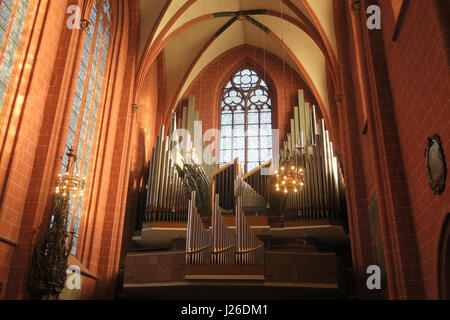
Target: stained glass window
246,120
87,104
12,20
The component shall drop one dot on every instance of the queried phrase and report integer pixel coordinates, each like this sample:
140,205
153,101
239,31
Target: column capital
355,6
85,24
135,107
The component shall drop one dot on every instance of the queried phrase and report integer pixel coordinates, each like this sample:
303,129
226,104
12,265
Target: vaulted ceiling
193,33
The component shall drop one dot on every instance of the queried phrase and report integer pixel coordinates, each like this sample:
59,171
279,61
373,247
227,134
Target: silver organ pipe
167,198
224,239
198,238
194,147
251,200
175,171
250,250
196,179
320,198
172,174
196,171
221,245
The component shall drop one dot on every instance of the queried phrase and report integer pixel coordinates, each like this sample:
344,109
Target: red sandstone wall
407,103
400,90
33,126
418,71
144,133
22,121
351,152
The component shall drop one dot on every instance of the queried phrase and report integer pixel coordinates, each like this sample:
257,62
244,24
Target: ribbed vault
193,33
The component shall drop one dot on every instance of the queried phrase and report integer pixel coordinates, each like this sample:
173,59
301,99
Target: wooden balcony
285,275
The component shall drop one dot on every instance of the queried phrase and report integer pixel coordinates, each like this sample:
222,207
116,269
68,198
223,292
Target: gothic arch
265,75
245,103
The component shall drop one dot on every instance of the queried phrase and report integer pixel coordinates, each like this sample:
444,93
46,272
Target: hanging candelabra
289,178
54,243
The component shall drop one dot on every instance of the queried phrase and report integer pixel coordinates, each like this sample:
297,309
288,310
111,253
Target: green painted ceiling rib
225,27
222,14
260,25
238,13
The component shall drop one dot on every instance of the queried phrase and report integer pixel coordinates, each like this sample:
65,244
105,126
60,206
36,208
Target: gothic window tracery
87,101
12,19
246,120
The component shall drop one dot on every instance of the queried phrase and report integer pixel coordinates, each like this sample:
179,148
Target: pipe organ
175,171
198,238
310,146
223,182
224,240
251,200
194,149
196,179
222,245
167,196
180,187
249,250
258,181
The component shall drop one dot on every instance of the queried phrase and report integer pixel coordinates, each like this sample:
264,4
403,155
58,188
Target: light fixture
291,172
70,183
290,176
54,242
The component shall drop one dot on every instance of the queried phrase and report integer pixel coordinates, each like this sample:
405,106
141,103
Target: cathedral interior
212,149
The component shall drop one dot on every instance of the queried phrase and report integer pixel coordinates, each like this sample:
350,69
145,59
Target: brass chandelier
289,178
54,242
70,183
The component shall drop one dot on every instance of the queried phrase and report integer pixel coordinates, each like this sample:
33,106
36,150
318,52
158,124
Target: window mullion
248,85
8,30
246,132
86,85
82,110
91,109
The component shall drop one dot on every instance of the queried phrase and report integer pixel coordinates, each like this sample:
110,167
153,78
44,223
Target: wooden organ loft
204,231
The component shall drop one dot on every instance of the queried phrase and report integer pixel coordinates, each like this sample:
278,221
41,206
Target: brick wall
22,122
38,106
395,96
417,65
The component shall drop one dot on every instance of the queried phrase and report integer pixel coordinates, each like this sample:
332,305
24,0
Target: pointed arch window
246,120
87,104
12,19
